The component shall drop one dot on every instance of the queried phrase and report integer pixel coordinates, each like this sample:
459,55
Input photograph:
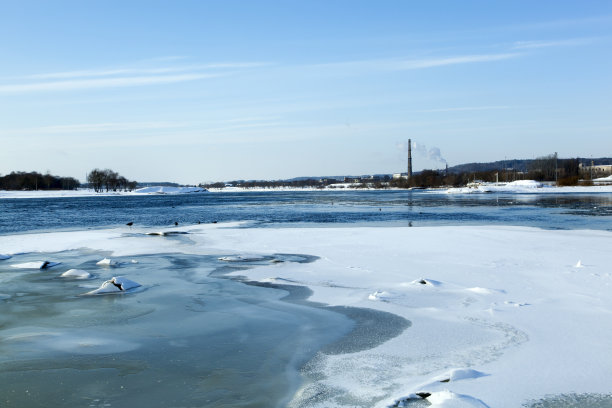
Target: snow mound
76,273
117,284
444,399
449,399
459,374
107,262
36,265
169,190
425,282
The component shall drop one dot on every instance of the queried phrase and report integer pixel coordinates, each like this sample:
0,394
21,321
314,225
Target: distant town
549,169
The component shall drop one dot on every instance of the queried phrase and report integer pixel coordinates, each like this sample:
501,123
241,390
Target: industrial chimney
409,173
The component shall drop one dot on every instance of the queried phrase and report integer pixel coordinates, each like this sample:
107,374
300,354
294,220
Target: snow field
506,314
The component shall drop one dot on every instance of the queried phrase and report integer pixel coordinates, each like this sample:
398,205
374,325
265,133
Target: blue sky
196,91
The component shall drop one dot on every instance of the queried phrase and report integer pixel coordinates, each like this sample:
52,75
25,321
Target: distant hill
515,164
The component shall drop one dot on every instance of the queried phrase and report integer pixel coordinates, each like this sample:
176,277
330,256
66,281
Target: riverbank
488,188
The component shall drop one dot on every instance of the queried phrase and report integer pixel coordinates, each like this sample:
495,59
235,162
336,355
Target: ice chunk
117,284
76,273
36,265
107,262
169,190
242,258
3,257
579,264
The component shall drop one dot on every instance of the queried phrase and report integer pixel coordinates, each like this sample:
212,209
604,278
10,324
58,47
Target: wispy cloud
418,63
97,83
146,71
464,108
462,59
123,77
520,45
564,23
94,128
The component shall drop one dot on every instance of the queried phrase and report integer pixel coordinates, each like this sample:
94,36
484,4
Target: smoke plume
433,153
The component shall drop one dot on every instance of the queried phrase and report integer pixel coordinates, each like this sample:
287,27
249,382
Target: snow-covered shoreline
525,309
510,188
155,190
528,187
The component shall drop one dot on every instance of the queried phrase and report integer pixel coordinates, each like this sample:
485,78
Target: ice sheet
508,302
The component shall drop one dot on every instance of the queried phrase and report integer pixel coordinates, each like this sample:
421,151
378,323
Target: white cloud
418,63
462,59
96,83
146,71
519,45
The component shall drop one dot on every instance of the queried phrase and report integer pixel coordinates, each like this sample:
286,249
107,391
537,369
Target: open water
392,208
191,337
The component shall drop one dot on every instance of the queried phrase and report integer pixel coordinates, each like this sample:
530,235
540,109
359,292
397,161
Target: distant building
602,170
397,176
327,181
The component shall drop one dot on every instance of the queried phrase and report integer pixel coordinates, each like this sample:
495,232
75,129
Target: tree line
109,180
35,181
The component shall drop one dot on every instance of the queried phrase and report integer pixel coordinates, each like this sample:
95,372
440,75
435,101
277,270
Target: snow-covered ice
36,265
242,258
169,190
467,323
107,262
76,274
117,284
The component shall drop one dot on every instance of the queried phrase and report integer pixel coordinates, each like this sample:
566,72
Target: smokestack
409,173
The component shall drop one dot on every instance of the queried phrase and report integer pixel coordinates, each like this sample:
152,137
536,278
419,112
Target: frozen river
198,332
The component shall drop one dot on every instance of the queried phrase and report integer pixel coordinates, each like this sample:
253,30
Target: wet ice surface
188,338
573,400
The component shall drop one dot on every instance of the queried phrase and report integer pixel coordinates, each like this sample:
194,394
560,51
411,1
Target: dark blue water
393,208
